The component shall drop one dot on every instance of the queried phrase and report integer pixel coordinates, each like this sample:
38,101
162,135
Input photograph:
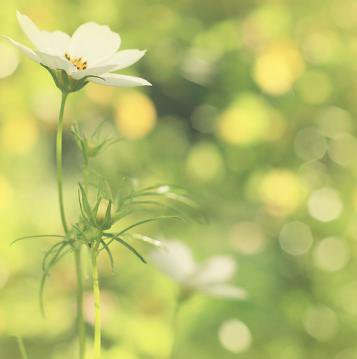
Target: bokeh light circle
310,145
277,67
295,238
204,162
331,254
321,323
247,237
325,204
135,115
9,60
282,191
235,336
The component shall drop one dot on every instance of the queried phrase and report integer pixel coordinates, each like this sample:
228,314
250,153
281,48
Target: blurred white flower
210,277
91,53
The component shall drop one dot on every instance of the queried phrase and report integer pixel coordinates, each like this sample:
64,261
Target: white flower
210,277
90,54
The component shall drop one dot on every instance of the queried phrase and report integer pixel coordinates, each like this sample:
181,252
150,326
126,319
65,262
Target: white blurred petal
225,291
215,270
125,58
120,80
94,43
27,51
52,43
174,259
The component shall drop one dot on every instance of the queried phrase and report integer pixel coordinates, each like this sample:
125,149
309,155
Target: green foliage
91,146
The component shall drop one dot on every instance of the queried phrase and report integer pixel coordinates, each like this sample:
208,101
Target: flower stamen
79,63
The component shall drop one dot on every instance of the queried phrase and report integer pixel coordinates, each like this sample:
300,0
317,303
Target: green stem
80,320
59,161
175,323
77,252
96,296
22,348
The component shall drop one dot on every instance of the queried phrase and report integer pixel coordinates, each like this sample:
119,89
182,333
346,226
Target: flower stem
96,296
77,251
175,317
59,161
22,348
80,320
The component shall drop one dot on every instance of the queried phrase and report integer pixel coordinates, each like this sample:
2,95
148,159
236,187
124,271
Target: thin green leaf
107,223
98,128
97,204
53,250
86,205
141,223
80,204
46,273
131,249
106,248
36,236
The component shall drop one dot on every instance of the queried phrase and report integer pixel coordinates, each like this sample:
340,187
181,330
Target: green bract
66,83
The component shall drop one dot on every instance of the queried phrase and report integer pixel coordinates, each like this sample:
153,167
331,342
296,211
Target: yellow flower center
78,62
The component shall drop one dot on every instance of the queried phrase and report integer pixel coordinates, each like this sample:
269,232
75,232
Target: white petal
29,28
91,71
27,51
55,62
53,43
215,270
125,58
225,291
93,43
175,260
120,80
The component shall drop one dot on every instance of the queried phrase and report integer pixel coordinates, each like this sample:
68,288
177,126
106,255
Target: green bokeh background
253,108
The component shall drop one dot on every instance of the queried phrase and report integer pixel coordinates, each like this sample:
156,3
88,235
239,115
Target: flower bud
104,214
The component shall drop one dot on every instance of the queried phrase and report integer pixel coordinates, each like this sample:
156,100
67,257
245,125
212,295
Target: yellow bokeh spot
281,191
278,67
248,121
102,95
135,115
204,162
19,135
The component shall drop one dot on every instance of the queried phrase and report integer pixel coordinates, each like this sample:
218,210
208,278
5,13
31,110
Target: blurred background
252,108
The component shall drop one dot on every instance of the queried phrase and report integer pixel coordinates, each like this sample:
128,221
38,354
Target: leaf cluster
98,215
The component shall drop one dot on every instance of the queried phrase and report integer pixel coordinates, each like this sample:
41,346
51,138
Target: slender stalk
77,251
96,296
59,161
80,289
175,323
22,348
